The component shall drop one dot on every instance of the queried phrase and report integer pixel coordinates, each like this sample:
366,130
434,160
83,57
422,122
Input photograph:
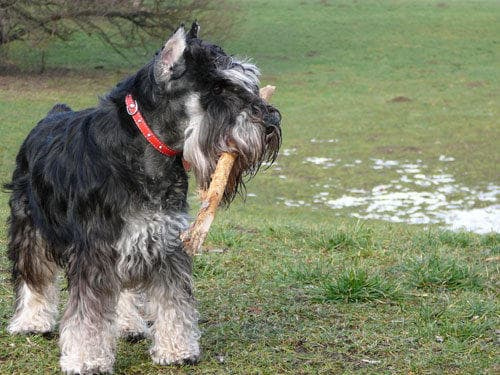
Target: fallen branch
193,238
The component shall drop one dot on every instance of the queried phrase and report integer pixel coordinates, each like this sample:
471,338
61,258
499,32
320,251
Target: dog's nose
273,118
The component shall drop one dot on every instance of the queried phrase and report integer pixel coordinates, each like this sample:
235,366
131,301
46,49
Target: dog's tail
59,108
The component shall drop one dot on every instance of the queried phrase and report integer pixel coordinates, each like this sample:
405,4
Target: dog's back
59,108
61,164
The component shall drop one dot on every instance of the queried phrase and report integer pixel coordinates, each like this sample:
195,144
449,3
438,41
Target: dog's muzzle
272,118
272,122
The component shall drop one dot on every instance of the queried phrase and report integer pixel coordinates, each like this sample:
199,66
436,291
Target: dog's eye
217,89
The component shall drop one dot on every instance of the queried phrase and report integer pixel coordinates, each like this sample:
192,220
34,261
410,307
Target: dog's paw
133,337
165,358
23,325
134,333
70,366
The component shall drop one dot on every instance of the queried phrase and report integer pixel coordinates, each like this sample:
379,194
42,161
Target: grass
357,285
309,289
356,237
440,271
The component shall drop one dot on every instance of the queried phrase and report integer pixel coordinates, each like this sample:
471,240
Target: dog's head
223,111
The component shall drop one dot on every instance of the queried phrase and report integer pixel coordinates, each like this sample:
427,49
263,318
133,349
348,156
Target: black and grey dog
101,193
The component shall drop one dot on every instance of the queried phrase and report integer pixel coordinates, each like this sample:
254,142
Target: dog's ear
195,29
170,54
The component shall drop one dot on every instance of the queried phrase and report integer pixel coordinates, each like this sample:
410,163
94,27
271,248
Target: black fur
80,174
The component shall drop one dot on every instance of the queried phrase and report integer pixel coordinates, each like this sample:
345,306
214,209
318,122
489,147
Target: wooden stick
193,238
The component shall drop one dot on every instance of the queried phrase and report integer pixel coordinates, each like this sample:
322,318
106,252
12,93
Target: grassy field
294,282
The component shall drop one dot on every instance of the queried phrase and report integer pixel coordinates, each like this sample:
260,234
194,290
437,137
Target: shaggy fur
91,197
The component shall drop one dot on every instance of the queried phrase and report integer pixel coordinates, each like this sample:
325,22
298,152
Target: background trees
118,23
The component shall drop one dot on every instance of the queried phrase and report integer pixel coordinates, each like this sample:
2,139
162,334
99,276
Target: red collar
133,110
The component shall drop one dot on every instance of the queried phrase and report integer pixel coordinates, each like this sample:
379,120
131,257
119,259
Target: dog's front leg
88,330
174,331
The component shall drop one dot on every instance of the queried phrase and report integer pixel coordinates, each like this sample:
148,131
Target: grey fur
244,74
130,313
91,196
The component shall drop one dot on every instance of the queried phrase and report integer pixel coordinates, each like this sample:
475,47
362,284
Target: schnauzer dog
101,194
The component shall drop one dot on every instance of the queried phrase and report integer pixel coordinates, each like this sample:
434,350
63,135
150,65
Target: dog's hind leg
88,328
129,315
174,331
34,274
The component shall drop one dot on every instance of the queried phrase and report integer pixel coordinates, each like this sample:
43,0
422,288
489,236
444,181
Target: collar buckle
132,108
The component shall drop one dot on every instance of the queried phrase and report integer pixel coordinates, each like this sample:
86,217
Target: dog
101,194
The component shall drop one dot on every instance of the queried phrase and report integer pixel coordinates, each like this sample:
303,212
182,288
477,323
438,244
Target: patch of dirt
442,5
10,70
255,310
58,79
23,82
384,150
312,53
271,79
412,149
300,347
400,99
275,57
374,137
397,149
245,230
474,84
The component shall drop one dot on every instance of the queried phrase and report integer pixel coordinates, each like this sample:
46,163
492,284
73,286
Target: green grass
309,289
441,271
356,237
357,285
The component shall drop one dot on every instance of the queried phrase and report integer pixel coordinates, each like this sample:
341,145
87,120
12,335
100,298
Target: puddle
380,164
418,195
479,220
289,151
324,162
446,158
314,140
293,203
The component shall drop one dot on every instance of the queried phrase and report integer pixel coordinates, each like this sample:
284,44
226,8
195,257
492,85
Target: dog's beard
199,160
247,139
